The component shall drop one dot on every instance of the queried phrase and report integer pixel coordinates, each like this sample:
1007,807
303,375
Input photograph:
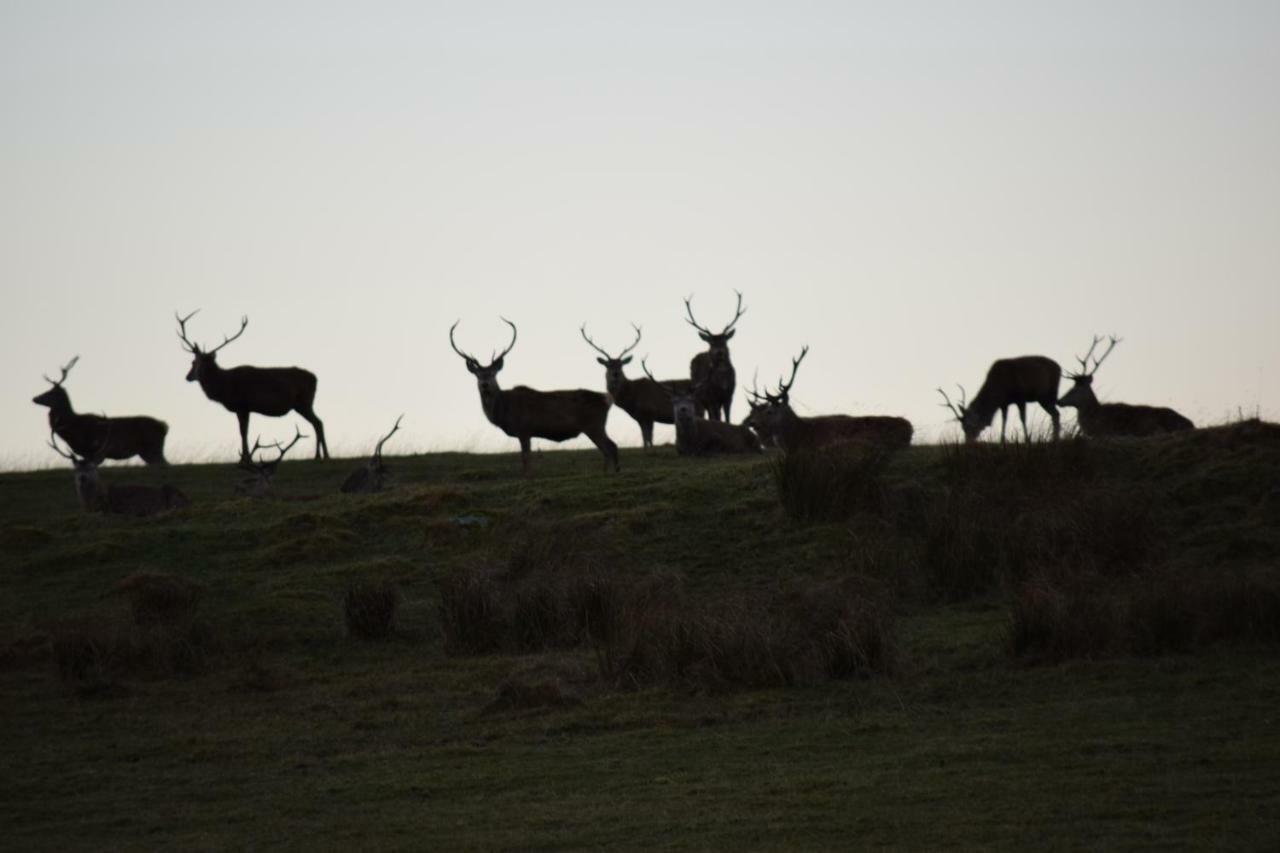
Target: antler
258,445
469,359
597,348
65,370
785,388
958,411
510,346
182,331
1085,370
244,323
738,311
753,392
377,451
53,442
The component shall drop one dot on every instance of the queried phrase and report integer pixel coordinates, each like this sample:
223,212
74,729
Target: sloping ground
259,722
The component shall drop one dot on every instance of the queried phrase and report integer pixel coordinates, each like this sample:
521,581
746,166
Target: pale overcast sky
913,189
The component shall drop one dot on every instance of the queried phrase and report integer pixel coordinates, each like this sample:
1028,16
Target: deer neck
213,380
494,405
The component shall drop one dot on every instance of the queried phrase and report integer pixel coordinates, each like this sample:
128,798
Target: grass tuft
370,609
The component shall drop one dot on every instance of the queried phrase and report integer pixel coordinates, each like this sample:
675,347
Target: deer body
794,432
118,499
1097,419
696,435
1012,382
525,413
245,390
114,438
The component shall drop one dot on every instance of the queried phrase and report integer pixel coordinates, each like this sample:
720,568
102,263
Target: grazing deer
711,372
118,438
1115,419
273,391
526,414
373,475
792,432
646,401
263,471
695,435
1010,381
117,499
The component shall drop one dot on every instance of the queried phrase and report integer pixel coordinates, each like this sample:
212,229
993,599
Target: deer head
486,375
683,404
775,405
613,375
86,468
56,397
717,343
969,419
264,470
1082,391
202,359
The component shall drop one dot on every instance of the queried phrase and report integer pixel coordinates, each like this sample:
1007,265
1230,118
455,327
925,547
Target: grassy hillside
1069,645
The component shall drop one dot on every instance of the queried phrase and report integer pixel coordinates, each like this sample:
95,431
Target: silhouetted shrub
370,609
95,652
830,484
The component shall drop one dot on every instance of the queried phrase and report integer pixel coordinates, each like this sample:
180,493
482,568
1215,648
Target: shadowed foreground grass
305,686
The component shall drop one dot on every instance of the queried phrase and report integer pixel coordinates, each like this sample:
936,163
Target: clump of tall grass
1069,617
810,634
95,652
831,483
370,608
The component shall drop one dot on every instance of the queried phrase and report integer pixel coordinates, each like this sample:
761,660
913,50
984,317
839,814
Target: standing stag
263,470
272,391
646,401
1098,419
775,417
526,414
116,438
711,372
695,435
372,475
1010,381
117,499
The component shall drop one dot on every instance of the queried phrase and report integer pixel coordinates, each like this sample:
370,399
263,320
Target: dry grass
370,609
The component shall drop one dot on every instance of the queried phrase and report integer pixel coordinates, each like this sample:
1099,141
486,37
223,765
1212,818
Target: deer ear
730,334
602,361
472,367
497,365
705,336
627,360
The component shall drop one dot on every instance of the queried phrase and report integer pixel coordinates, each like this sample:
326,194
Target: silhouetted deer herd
698,407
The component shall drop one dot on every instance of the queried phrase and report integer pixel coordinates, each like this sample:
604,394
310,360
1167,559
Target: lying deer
117,499
373,475
696,435
776,418
135,435
1098,419
263,470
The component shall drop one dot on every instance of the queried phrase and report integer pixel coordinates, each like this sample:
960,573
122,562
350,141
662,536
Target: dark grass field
1068,646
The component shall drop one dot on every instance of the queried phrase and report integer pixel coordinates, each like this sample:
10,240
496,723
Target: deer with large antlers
774,415
262,469
711,372
245,390
372,476
646,401
1009,382
525,414
1097,419
696,435
116,499
115,438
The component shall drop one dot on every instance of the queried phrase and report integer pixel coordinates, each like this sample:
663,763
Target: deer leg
243,417
1022,413
1052,409
316,425
610,450
646,434
525,443
726,410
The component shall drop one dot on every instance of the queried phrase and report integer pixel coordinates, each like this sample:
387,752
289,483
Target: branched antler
65,370
784,388
957,410
737,315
